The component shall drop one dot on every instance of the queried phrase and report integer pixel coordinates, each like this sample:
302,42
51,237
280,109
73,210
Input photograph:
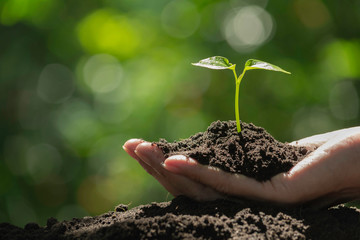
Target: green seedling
220,63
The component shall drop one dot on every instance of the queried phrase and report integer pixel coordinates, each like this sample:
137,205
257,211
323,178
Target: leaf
216,62
257,64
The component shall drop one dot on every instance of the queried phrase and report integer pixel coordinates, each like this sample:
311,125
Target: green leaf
257,64
216,62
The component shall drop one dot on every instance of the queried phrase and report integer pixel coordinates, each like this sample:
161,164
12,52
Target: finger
132,143
220,181
147,150
130,147
151,155
197,191
175,184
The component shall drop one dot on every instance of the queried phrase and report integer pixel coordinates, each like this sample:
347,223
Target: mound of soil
183,218
253,153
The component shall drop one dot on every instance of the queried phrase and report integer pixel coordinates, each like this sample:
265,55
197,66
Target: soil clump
252,152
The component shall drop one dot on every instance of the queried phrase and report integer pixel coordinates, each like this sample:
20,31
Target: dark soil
183,218
253,153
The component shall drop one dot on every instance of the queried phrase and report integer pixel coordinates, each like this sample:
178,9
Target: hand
151,158
329,175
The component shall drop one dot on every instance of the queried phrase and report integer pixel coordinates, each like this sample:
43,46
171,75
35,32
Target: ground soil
253,153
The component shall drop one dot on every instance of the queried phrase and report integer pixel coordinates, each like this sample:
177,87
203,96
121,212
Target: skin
327,176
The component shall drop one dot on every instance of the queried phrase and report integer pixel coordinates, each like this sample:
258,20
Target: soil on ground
183,218
254,153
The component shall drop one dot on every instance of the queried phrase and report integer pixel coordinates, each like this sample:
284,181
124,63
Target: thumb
215,178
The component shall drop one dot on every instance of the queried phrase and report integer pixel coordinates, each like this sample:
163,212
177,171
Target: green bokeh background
79,78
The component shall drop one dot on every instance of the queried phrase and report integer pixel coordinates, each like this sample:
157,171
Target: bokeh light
78,124
103,73
42,161
106,156
106,31
247,28
180,18
56,83
341,58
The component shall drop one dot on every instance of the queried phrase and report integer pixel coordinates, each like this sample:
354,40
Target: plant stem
238,127
237,84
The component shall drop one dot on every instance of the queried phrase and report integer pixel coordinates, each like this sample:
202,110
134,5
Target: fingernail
182,158
170,167
178,163
177,157
129,144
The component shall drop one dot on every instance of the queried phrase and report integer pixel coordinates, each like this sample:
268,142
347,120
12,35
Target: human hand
151,158
330,174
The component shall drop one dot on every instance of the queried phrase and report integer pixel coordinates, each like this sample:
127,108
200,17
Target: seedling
220,63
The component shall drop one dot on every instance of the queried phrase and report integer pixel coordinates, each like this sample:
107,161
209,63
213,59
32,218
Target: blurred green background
79,78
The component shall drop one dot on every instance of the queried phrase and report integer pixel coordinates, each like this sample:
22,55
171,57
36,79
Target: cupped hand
328,175
151,158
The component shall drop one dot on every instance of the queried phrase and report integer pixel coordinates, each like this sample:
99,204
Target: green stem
238,127
237,83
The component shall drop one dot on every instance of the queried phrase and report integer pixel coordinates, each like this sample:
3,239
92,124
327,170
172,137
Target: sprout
219,63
